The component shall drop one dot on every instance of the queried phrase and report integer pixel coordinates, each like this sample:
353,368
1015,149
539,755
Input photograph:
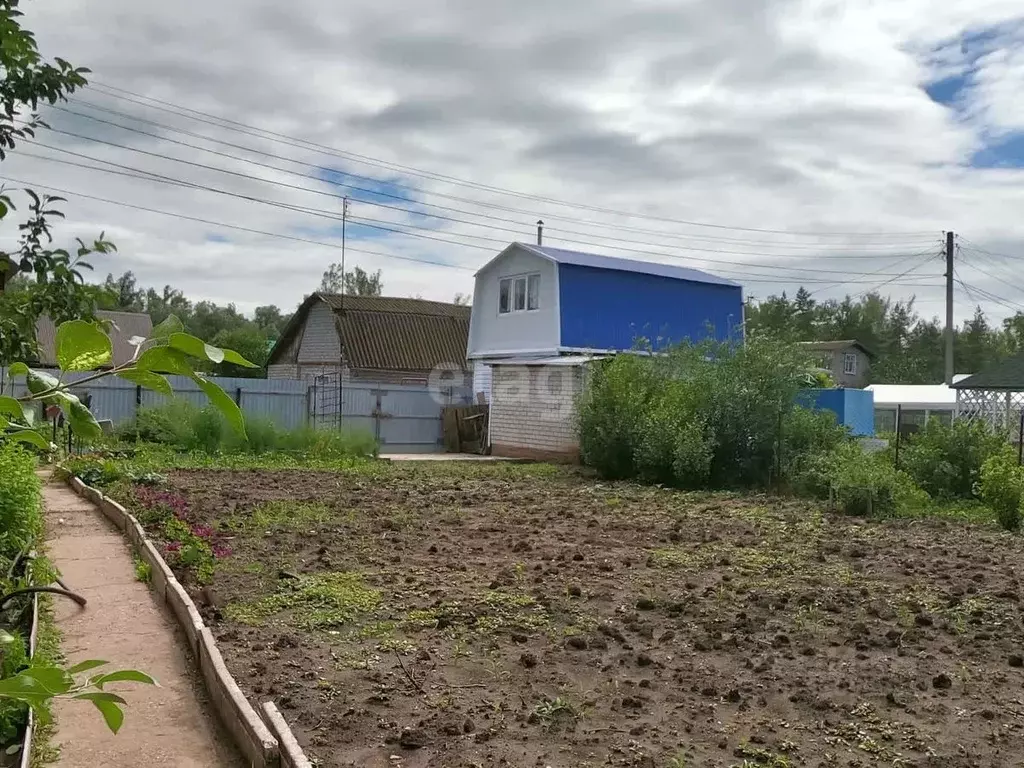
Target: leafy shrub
13,714
168,424
21,520
868,484
610,413
946,461
1002,488
705,415
93,470
208,431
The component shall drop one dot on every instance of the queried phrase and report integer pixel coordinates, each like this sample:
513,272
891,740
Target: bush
868,484
168,424
21,519
610,413
946,461
707,415
1002,488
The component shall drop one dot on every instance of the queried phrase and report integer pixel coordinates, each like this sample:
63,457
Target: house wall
320,343
283,371
516,333
605,309
533,411
837,367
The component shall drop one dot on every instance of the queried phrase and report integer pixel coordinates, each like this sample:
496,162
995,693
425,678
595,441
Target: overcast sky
891,119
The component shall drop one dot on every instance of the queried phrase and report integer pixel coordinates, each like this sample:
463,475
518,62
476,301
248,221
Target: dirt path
166,726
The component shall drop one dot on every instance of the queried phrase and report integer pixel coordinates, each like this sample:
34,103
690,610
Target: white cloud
782,115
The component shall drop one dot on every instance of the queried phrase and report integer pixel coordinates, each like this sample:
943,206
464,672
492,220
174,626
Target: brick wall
533,413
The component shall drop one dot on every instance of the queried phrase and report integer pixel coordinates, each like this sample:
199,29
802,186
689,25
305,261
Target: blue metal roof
597,261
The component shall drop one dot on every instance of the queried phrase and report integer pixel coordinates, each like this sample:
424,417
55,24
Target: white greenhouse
917,402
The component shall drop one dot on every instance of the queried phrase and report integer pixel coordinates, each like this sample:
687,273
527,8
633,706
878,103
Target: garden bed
497,614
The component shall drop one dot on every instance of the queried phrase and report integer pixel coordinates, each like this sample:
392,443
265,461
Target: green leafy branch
83,346
38,684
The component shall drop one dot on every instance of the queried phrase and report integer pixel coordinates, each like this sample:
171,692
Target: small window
505,296
518,294
850,364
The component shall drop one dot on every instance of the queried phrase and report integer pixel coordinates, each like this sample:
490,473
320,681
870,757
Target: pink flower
221,550
173,546
202,531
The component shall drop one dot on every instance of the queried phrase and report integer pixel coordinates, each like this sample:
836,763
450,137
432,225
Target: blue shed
533,301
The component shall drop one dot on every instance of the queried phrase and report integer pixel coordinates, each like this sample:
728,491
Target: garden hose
52,590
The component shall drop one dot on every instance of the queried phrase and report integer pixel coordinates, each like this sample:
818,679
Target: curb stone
266,742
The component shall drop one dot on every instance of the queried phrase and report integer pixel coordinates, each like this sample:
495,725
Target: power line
377,224
232,226
198,115
878,272
300,188
754,278
892,243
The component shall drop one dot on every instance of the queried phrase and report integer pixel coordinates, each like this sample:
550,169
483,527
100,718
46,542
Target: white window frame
850,364
526,278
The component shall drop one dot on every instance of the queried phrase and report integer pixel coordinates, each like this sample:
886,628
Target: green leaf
124,676
31,437
53,680
14,409
39,382
147,379
85,666
82,422
100,696
111,710
82,346
164,330
18,369
195,347
6,637
164,360
220,400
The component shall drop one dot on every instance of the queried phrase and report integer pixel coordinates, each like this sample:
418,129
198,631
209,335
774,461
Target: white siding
320,343
533,410
516,333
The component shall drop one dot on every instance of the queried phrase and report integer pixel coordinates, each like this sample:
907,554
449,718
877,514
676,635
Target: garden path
164,726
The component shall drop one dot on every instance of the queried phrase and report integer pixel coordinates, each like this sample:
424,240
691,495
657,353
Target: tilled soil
522,616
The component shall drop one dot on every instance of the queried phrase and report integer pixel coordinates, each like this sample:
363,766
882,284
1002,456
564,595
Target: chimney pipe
540,232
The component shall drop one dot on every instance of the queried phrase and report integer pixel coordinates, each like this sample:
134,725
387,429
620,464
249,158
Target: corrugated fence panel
282,400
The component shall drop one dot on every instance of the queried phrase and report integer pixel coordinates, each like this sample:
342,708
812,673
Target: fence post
899,419
1020,439
238,396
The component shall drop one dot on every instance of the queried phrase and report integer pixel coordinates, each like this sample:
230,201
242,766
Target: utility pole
949,308
344,225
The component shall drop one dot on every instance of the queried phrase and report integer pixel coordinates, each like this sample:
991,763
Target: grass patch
48,651
278,515
143,570
321,601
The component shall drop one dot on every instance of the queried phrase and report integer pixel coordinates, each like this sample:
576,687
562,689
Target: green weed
320,601
143,570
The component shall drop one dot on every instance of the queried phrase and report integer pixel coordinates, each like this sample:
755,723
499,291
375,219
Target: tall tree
56,285
357,282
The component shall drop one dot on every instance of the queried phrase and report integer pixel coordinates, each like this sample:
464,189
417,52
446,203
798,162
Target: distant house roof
1006,376
386,333
125,325
835,346
597,261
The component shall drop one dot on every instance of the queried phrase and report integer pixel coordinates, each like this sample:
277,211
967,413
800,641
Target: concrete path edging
267,741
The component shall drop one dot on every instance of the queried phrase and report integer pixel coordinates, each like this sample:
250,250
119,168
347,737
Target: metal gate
402,418
326,400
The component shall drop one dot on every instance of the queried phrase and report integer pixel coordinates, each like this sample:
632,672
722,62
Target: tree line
910,348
